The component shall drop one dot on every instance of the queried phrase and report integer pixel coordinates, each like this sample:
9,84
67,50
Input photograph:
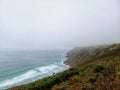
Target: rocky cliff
81,55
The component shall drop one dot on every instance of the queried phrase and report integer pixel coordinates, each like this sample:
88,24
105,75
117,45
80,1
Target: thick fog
58,24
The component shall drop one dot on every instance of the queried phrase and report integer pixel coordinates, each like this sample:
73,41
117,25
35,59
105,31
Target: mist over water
51,24
20,67
35,34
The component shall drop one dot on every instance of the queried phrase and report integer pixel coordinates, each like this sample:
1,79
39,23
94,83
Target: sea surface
18,67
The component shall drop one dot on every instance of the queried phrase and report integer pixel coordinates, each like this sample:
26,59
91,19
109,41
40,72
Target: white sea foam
47,69
17,79
31,74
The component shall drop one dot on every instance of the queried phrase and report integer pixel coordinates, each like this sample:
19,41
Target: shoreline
99,54
65,67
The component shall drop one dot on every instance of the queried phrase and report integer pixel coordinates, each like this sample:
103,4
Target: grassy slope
101,71
99,74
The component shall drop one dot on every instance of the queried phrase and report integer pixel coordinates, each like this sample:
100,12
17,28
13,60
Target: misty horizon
28,24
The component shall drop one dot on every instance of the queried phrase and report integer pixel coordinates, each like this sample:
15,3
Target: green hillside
92,68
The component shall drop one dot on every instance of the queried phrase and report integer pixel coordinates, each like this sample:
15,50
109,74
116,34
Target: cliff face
79,56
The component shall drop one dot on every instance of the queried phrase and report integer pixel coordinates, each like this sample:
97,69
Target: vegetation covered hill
92,68
79,56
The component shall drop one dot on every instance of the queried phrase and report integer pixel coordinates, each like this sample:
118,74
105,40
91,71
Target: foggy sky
55,24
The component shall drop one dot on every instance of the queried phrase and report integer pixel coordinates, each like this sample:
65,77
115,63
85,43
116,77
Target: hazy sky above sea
58,24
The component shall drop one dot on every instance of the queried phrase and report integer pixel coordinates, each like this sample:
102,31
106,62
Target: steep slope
79,56
92,68
101,73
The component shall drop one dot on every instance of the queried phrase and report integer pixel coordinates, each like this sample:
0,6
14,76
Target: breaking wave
32,75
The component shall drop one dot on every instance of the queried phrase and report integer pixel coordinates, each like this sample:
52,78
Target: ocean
19,67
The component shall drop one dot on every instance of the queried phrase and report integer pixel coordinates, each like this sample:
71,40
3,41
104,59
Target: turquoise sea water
23,66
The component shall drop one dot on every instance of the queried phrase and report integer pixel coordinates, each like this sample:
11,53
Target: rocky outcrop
78,55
